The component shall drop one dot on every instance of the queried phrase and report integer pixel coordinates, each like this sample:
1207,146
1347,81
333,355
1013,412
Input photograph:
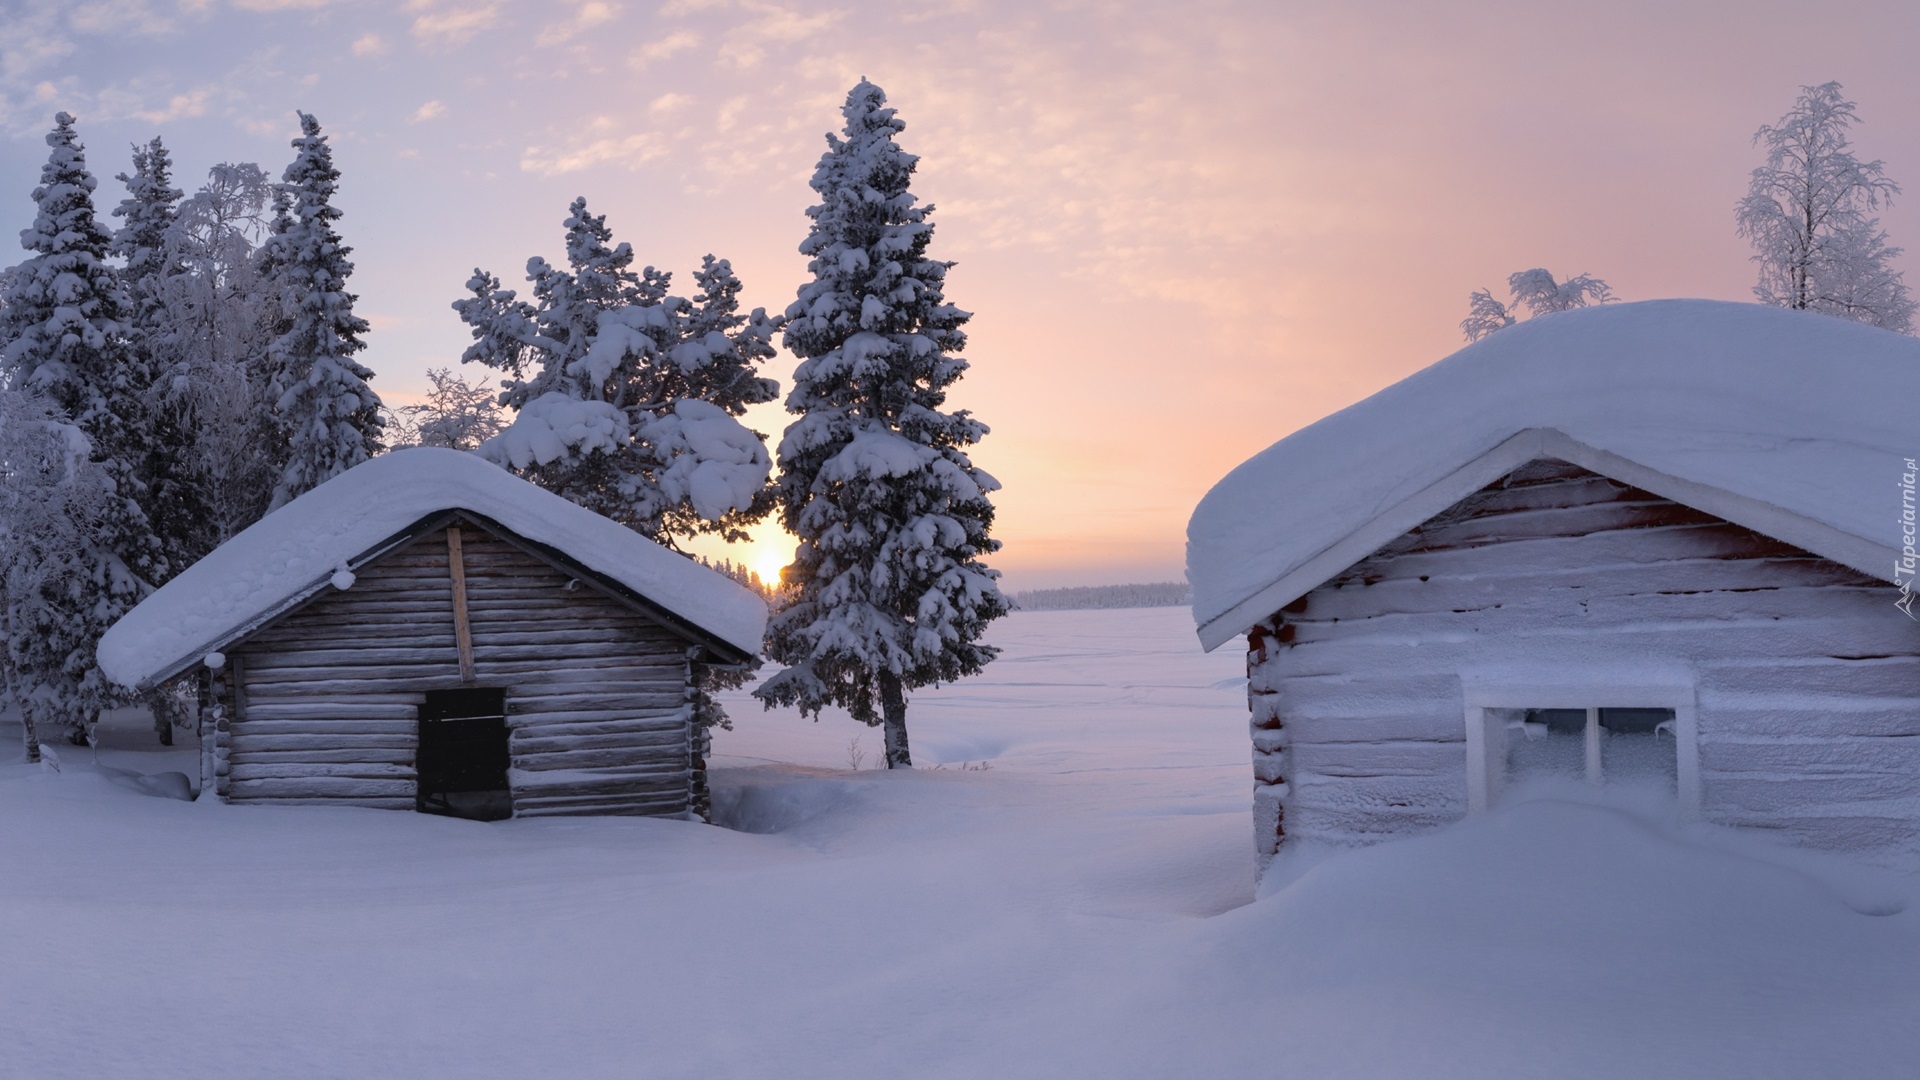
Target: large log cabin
1659,545
429,632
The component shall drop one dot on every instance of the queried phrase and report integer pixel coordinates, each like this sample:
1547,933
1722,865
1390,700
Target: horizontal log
274,708
286,694
310,787
359,770
358,752
559,716
670,757
363,801
310,736
539,725
550,699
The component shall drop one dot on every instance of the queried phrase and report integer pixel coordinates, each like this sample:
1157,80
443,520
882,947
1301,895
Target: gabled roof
294,552
1791,424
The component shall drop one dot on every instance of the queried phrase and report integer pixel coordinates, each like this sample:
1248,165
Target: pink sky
1184,231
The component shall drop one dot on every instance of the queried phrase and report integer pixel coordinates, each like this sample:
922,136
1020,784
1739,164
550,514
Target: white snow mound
310,541
1803,412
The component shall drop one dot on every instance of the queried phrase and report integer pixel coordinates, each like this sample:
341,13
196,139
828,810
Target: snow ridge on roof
283,555
1802,412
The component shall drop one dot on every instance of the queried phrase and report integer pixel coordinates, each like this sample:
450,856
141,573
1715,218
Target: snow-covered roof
1792,424
297,549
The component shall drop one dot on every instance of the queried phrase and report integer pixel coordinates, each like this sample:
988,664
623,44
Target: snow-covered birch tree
1809,213
223,318
887,592
456,415
1535,290
626,396
329,412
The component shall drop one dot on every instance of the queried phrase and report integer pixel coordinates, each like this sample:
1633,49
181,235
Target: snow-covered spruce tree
172,496
1809,215
886,592
64,340
1538,292
625,396
331,416
60,585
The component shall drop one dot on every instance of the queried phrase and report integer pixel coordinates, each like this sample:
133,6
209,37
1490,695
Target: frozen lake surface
1083,905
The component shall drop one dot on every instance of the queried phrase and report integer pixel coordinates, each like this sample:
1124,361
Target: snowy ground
1083,907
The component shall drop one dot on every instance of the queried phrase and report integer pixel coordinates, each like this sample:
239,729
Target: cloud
677,42
429,111
369,44
771,26
452,24
178,107
630,151
283,5
118,16
587,15
668,103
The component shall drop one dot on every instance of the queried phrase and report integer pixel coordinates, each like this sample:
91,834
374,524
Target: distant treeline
1153,594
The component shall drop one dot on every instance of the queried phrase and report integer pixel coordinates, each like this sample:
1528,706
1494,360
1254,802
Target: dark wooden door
462,760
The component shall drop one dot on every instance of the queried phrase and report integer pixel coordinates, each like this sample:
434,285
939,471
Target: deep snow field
1082,907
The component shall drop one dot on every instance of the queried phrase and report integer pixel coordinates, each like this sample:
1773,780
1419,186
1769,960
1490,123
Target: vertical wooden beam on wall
462,632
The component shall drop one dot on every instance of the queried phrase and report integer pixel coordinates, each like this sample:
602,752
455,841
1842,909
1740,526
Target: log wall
1807,677
597,694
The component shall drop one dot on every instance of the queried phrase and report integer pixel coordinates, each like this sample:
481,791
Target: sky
1184,230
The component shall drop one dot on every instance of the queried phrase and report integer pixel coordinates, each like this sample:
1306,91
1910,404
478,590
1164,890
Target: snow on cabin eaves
1794,424
300,547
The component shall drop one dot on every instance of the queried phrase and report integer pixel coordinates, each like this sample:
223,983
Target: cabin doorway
462,760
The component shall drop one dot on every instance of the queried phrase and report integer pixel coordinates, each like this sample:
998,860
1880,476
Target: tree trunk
29,736
893,720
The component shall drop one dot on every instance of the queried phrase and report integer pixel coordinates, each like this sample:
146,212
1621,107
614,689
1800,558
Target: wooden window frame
1487,736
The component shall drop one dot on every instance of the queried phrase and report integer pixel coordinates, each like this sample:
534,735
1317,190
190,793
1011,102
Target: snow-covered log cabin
1658,544
427,631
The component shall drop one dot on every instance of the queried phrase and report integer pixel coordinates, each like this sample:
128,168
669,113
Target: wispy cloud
597,147
677,42
452,23
179,106
119,17
587,14
429,111
284,5
669,103
369,44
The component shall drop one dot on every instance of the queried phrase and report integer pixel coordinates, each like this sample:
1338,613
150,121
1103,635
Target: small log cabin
429,632
1663,545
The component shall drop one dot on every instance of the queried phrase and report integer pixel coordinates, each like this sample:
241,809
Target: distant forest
1153,594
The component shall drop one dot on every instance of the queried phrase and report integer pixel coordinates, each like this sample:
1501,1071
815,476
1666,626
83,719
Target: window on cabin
1612,746
462,758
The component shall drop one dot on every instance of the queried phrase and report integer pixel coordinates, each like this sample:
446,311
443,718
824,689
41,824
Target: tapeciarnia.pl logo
1904,566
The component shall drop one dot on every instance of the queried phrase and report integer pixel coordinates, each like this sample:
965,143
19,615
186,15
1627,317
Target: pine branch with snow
625,396
888,592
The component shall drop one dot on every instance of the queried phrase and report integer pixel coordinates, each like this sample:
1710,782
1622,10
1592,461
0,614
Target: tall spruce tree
625,395
887,591
330,415
155,274
64,341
